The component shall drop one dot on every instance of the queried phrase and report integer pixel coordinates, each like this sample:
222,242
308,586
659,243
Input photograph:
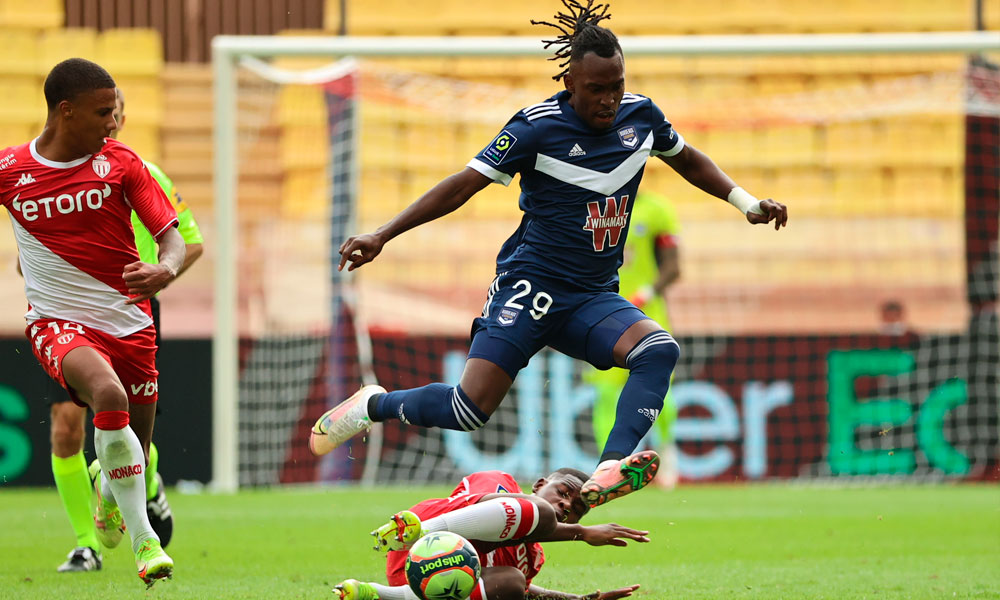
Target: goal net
859,342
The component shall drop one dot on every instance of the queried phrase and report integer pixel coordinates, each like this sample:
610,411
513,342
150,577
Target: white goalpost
229,51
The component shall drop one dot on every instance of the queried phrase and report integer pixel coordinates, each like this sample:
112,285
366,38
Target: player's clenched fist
144,280
769,210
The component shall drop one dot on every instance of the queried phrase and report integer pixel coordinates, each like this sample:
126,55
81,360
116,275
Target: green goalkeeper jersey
653,224
149,252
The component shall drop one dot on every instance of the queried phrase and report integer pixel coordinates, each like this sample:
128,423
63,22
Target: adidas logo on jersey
25,179
649,413
577,151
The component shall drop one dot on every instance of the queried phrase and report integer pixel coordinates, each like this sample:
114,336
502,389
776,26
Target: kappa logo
25,179
607,225
577,151
101,166
628,137
649,413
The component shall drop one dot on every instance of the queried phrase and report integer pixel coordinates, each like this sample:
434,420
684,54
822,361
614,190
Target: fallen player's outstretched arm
607,534
539,593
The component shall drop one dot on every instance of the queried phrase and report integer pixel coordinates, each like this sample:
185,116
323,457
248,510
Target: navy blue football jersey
578,185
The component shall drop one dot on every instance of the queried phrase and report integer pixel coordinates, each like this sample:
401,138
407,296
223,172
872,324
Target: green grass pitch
756,541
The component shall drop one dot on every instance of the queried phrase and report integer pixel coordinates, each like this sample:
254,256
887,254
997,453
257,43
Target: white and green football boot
400,533
153,563
107,517
352,589
342,422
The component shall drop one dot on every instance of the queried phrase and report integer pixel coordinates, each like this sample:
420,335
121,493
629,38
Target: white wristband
744,200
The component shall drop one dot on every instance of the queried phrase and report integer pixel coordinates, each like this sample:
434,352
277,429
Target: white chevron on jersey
630,98
595,181
55,288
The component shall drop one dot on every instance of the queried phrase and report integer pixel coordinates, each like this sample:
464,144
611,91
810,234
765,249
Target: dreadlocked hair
580,33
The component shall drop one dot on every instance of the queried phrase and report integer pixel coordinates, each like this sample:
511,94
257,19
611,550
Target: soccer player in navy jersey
581,155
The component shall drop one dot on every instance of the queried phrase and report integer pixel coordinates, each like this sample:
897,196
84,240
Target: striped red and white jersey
526,557
72,223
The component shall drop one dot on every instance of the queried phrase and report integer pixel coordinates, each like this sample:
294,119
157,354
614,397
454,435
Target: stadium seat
144,102
57,45
788,145
729,147
806,189
23,60
305,194
850,143
304,147
380,193
144,139
23,101
32,14
389,17
859,192
303,105
131,52
13,134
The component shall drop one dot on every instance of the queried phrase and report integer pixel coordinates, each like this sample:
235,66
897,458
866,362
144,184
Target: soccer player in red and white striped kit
70,193
505,526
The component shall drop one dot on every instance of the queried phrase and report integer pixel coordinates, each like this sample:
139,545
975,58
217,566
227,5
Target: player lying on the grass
505,526
580,155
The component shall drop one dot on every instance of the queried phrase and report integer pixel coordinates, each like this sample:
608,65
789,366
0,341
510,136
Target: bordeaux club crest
628,137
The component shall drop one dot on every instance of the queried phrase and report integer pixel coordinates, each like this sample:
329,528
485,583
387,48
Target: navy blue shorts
525,313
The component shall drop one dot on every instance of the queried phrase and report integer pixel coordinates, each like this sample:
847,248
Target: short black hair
72,77
580,34
577,473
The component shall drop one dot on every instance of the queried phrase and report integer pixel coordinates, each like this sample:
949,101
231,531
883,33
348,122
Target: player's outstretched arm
144,280
540,593
701,171
445,197
608,534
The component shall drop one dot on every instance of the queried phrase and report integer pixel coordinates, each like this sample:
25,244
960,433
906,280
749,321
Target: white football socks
403,592
122,466
496,520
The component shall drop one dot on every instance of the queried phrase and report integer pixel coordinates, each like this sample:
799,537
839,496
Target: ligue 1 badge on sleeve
101,166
